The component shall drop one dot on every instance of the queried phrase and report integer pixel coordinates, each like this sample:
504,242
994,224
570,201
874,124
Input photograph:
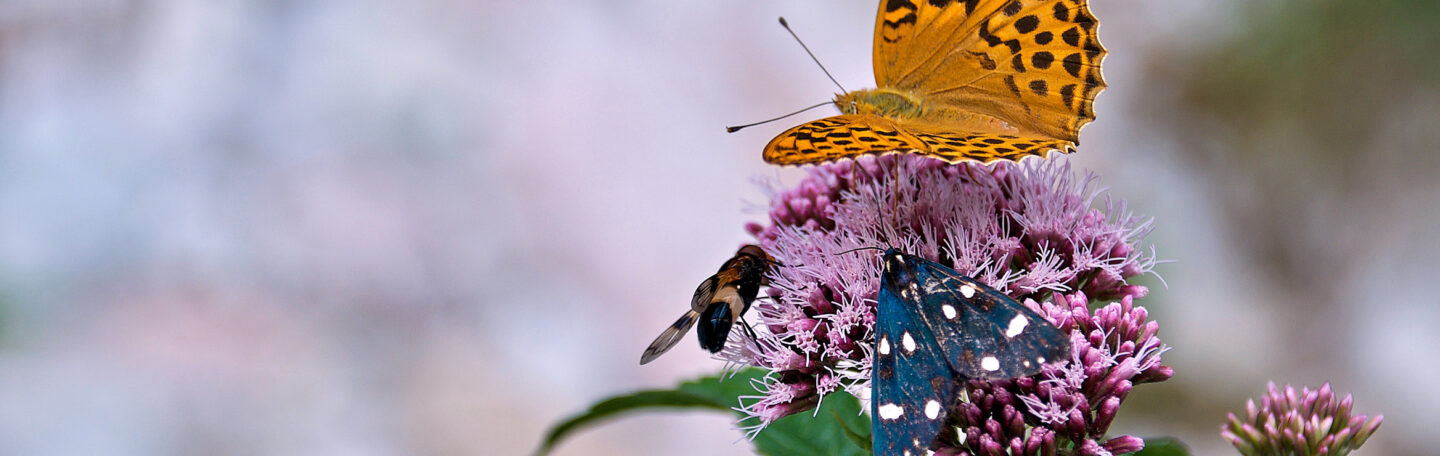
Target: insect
959,80
718,303
935,327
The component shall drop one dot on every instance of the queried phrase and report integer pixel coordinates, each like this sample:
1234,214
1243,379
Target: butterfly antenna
737,128
812,54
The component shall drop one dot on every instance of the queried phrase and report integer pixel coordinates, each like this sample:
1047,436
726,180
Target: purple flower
1031,230
1114,348
1303,424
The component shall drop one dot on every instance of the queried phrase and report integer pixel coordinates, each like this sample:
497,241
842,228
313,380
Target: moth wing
984,333
913,389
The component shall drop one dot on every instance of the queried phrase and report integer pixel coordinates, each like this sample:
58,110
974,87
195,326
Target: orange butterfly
980,80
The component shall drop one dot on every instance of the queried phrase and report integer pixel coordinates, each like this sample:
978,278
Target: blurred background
355,227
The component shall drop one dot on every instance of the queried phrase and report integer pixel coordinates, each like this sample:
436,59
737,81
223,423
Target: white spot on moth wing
1017,326
932,409
989,363
967,291
908,342
949,311
884,345
891,411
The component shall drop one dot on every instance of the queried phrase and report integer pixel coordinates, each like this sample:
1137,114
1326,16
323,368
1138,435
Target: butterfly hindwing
837,137
912,386
955,146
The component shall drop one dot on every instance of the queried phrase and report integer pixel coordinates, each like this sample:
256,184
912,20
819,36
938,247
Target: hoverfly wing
704,293
668,338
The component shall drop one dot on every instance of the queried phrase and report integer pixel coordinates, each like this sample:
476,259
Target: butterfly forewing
985,334
912,387
1033,64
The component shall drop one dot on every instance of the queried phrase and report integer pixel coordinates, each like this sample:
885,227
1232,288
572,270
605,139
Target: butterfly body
881,102
976,80
717,304
934,329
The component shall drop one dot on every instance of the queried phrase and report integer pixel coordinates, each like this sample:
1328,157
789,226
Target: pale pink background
362,228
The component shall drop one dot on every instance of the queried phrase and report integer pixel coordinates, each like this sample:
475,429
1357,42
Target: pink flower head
1306,423
1032,230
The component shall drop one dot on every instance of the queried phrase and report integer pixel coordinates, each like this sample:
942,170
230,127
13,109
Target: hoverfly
718,303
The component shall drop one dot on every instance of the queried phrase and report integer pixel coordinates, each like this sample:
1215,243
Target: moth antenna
737,128
812,54
860,248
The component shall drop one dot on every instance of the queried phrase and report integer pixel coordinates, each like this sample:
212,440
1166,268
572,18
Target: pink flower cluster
1114,348
1033,230
1304,423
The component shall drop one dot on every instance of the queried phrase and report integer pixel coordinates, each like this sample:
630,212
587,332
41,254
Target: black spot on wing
1038,87
1071,36
1027,24
1013,8
970,6
1010,82
985,34
1042,59
1072,64
985,61
906,19
893,5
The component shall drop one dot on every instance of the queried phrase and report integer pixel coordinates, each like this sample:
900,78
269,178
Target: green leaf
837,428
708,392
703,393
1163,446
831,431
860,438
